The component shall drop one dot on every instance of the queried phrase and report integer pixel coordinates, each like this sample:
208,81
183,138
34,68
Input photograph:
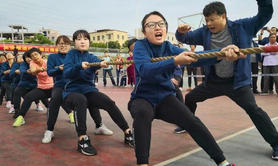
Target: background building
170,36
51,34
17,34
107,35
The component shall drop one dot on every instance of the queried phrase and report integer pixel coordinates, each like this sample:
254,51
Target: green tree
39,39
98,45
125,43
114,44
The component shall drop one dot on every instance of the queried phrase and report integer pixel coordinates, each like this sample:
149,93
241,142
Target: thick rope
254,50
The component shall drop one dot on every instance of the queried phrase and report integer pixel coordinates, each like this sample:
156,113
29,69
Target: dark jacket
15,77
53,61
5,77
27,80
153,80
80,80
242,32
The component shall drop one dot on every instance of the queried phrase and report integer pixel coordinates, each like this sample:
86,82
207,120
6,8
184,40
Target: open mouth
158,35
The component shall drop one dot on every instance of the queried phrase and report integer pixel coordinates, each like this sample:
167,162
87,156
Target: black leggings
54,105
20,92
33,95
171,110
78,102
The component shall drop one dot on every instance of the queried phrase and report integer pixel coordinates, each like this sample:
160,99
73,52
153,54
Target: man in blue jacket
227,78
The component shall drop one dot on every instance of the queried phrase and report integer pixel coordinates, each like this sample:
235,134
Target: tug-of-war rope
254,50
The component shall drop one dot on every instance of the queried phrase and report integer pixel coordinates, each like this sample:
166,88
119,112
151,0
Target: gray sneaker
103,130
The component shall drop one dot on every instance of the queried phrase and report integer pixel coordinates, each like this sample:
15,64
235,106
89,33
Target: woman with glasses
154,95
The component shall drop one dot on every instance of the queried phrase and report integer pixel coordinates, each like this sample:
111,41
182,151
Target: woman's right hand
184,58
184,28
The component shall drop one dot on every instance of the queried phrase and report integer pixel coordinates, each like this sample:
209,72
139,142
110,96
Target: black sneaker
129,139
179,130
275,153
84,146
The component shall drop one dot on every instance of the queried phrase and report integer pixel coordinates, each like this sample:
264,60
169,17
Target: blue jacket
15,77
153,80
5,77
242,32
27,80
53,61
80,80
265,40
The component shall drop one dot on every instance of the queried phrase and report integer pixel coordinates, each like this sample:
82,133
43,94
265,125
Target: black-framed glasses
63,44
151,25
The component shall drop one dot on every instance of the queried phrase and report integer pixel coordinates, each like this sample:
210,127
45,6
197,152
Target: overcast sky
66,16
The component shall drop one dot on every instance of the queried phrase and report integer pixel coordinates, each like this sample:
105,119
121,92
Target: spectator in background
15,51
265,40
108,70
118,67
180,45
255,59
191,70
130,67
270,64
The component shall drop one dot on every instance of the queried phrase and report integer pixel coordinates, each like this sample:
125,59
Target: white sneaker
48,135
12,111
39,108
103,130
9,104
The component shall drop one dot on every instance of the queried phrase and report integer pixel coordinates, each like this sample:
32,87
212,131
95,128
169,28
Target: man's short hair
214,7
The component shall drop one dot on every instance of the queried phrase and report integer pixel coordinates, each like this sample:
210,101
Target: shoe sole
48,142
180,132
20,125
274,158
88,154
104,134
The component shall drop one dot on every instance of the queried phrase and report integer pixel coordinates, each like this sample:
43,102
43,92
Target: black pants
190,71
95,114
8,89
254,68
173,111
110,75
2,94
271,82
242,97
78,102
270,70
54,105
33,95
21,92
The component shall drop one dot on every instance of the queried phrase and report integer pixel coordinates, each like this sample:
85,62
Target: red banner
25,47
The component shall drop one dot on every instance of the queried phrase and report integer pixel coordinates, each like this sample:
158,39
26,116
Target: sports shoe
39,108
275,153
226,164
11,110
179,130
129,139
48,135
84,146
19,121
71,117
103,130
9,104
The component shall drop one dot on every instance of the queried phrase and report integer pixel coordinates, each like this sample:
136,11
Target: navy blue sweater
15,77
242,32
80,80
153,80
27,80
53,61
5,77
